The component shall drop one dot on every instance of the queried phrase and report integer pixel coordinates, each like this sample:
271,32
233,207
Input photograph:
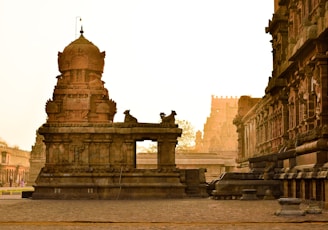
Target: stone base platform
137,184
290,207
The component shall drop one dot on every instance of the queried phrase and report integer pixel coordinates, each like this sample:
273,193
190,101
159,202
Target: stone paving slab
203,213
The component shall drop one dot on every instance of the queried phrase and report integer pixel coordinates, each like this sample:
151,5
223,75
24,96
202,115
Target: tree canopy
185,143
187,140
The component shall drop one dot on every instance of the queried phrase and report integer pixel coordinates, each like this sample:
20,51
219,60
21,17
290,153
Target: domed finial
81,31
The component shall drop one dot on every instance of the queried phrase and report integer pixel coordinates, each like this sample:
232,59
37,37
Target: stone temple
88,155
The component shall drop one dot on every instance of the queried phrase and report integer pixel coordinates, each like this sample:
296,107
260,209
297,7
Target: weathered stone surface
290,207
88,156
249,194
284,134
313,207
233,188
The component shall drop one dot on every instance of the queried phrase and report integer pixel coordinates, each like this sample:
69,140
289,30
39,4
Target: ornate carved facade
14,166
285,135
88,156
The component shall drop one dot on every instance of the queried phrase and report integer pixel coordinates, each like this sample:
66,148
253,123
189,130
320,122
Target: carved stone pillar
241,153
325,194
284,121
47,153
285,188
90,152
54,153
77,154
166,153
302,192
129,152
108,152
66,152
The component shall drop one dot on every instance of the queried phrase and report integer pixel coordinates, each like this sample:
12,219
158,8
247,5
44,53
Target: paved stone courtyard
195,213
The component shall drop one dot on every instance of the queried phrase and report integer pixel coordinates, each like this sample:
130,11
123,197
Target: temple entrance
147,154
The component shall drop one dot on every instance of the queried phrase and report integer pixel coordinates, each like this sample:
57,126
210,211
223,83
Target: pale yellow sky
160,55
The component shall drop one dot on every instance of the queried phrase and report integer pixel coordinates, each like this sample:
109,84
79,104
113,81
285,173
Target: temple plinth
88,155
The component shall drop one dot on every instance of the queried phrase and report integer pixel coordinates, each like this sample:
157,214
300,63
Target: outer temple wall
291,119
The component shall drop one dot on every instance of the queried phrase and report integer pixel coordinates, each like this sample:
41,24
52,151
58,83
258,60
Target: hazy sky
161,55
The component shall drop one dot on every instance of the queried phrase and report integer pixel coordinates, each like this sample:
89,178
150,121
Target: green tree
152,148
185,143
187,140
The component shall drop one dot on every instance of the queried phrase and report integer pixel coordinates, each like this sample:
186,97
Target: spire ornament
77,20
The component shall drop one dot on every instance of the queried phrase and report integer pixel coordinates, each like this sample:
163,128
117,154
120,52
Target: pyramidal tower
80,95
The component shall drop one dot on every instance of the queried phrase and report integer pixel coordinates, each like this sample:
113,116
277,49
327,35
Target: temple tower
80,95
219,131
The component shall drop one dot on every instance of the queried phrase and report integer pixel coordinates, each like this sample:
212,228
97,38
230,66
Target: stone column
302,192
47,152
293,189
284,121
285,187
130,153
325,183
53,153
166,153
314,189
109,151
66,151
88,151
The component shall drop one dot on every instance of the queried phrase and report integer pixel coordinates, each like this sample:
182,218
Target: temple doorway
147,154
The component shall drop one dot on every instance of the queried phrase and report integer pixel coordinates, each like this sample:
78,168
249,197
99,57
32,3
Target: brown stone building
217,155
14,166
88,155
284,134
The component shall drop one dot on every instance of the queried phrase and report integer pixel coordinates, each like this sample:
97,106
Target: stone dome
81,54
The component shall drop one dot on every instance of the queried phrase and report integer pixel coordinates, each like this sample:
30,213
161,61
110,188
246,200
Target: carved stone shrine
88,156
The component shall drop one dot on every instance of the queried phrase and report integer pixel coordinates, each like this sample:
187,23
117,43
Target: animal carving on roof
168,120
129,118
